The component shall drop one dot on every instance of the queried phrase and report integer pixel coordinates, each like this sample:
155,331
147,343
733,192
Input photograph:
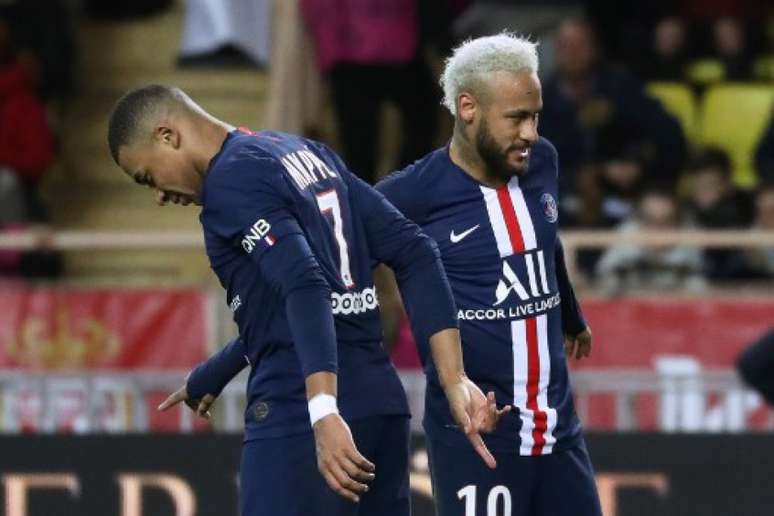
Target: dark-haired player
292,236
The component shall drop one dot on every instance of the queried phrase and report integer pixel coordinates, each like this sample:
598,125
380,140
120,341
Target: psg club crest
549,207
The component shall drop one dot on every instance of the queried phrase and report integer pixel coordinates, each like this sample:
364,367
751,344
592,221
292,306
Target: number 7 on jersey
328,201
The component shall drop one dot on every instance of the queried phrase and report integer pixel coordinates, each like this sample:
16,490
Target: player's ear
466,107
167,136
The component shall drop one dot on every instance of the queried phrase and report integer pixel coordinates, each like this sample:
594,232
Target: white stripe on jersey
543,276
520,378
545,376
522,213
497,221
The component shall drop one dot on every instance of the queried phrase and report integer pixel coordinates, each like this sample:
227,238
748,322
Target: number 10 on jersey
328,202
497,493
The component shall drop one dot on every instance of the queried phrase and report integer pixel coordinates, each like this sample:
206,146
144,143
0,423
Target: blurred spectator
42,35
537,18
370,52
662,267
761,260
764,155
26,143
587,105
621,179
232,33
26,152
605,195
732,48
715,203
669,51
624,29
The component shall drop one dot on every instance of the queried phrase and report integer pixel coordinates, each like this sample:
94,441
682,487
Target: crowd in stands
628,159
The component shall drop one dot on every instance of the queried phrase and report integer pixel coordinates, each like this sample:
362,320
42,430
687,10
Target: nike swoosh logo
457,238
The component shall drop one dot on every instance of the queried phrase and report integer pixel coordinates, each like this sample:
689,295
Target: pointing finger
173,399
478,445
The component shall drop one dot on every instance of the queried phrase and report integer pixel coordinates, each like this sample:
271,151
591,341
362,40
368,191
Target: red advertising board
54,334
65,328
630,332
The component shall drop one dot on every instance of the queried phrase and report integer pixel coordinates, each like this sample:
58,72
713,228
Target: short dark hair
131,110
710,158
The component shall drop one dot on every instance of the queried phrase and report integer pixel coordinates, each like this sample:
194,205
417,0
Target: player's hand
487,415
201,407
579,345
474,413
338,460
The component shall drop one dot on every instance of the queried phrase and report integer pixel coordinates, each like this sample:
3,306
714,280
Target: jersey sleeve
292,268
573,321
212,375
250,202
413,256
399,189
255,208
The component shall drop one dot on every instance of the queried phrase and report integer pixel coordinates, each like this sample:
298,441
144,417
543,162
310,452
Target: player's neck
463,153
211,134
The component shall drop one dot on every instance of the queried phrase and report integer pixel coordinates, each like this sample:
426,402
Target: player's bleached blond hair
474,60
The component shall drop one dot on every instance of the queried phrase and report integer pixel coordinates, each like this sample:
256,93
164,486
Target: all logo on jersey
258,232
536,274
550,210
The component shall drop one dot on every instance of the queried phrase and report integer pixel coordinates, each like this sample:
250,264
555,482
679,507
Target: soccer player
489,199
292,236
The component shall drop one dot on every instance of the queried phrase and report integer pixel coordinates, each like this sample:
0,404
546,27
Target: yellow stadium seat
706,71
679,101
733,117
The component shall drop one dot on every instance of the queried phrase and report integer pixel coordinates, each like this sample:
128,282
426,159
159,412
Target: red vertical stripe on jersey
533,378
511,221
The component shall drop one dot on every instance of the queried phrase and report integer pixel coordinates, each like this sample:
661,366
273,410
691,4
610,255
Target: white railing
687,398
573,240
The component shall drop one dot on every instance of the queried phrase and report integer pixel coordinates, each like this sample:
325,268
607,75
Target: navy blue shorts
280,476
559,484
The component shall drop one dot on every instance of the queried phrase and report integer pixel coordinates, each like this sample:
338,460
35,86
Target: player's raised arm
413,256
576,330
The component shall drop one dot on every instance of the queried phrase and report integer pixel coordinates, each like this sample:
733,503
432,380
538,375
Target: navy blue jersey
503,260
277,207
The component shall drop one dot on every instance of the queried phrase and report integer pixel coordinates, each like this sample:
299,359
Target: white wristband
322,405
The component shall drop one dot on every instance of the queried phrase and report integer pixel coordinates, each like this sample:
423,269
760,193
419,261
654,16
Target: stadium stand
734,117
87,191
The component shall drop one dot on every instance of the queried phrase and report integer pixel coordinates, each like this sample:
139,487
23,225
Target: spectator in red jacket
26,142
26,151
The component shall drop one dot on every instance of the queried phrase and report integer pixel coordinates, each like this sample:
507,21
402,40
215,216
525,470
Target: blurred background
662,113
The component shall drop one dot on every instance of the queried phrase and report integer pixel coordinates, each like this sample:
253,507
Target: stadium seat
679,101
733,117
703,72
